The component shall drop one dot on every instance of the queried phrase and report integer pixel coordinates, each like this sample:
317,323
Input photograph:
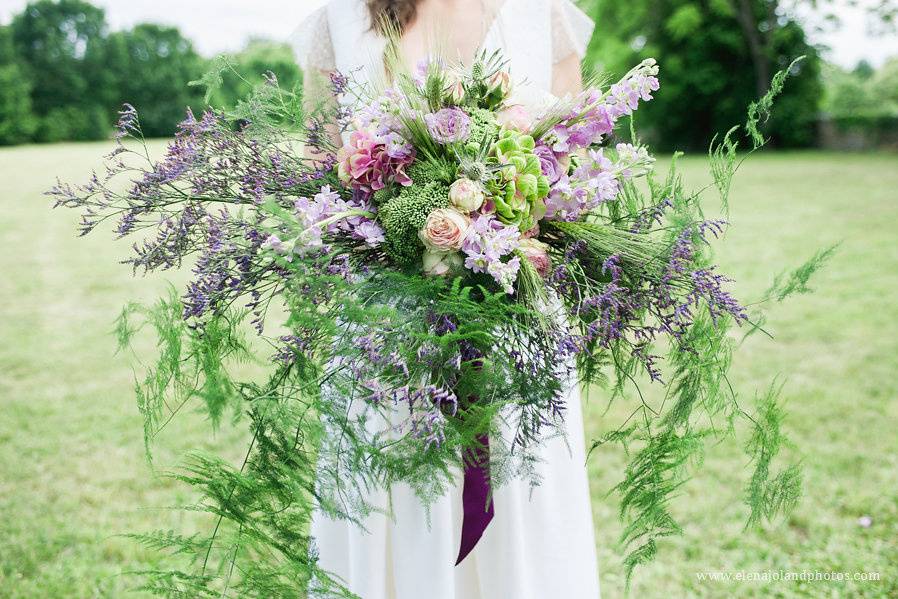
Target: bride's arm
317,95
314,50
571,32
567,77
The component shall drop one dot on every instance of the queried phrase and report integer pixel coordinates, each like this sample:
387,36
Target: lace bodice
534,35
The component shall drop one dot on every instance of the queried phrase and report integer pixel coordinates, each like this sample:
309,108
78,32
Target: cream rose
444,230
440,264
466,195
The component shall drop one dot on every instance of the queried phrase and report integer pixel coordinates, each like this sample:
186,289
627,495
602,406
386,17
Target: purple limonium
449,125
487,243
128,122
339,83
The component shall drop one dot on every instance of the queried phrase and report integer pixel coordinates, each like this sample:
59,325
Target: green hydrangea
520,188
403,216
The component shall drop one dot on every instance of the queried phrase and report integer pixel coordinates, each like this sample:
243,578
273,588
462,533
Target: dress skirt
540,544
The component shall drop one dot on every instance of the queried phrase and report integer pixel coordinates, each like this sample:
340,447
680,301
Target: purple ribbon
477,500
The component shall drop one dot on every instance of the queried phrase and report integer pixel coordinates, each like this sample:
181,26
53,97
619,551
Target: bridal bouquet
425,294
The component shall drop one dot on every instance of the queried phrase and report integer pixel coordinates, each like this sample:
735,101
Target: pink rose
515,117
445,230
439,264
456,89
501,82
537,254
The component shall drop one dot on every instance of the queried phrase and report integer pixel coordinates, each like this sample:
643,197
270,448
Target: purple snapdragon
596,114
489,241
596,181
328,212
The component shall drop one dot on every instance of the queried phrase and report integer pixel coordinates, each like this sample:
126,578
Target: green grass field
73,475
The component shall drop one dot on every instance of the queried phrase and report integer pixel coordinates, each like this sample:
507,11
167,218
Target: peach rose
444,230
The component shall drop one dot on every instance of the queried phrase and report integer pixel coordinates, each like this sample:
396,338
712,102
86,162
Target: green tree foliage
717,56
150,67
16,120
861,93
246,69
59,44
885,84
63,76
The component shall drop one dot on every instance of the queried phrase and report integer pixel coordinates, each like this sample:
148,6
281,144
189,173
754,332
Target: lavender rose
444,230
548,163
466,195
440,264
449,125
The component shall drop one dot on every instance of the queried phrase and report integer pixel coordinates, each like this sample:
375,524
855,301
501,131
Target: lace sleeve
312,44
314,50
571,30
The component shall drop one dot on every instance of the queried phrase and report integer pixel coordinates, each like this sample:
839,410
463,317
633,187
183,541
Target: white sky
220,25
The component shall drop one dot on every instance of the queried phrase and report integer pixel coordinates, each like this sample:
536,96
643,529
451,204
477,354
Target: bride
540,543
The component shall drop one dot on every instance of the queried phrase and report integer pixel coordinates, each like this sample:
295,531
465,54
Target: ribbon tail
477,500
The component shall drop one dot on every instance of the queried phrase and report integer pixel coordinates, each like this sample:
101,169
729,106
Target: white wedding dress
540,544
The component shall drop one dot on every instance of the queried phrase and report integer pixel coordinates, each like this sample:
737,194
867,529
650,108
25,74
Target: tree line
717,56
64,74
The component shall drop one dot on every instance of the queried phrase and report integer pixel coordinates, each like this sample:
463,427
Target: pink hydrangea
370,161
